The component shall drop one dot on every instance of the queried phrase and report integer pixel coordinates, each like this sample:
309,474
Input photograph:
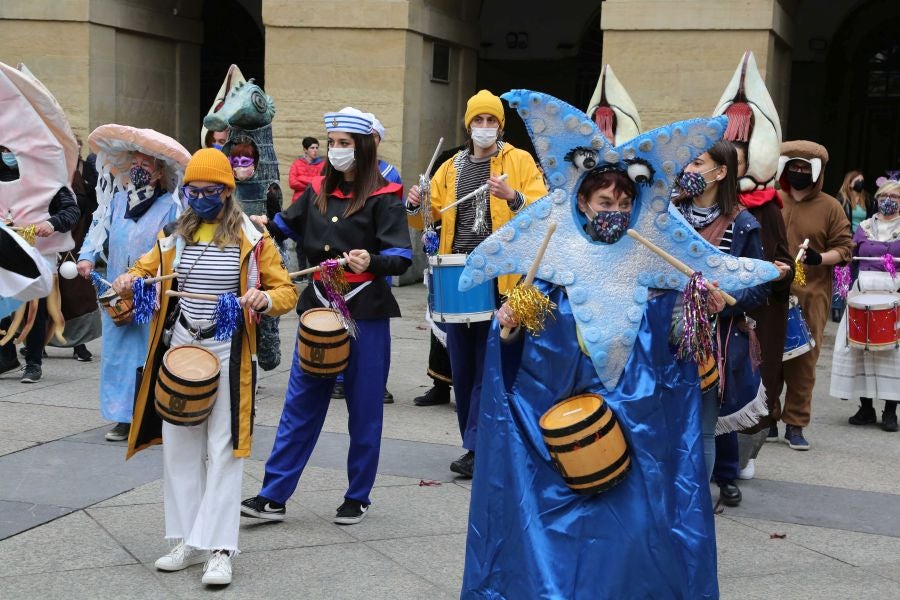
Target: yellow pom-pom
530,307
29,234
799,273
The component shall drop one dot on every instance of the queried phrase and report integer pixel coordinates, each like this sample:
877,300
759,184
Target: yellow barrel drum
323,345
586,443
187,385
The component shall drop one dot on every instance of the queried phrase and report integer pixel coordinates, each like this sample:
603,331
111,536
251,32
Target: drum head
321,319
876,300
107,296
450,260
193,363
571,411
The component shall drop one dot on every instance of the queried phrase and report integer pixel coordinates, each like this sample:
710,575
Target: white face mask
484,137
341,159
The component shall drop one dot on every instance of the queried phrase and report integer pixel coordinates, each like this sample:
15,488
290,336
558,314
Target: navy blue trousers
305,407
466,345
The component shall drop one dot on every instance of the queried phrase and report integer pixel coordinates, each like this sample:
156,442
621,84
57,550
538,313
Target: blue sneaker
793,435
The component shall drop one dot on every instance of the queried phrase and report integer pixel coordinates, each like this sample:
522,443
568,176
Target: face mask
140,176
218,146
9,159
858,186
798,180
609,226
244,173
694,184
341,159
484,137
207,207
888,206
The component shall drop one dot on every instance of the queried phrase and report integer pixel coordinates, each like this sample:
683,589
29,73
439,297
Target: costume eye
585,159
640,172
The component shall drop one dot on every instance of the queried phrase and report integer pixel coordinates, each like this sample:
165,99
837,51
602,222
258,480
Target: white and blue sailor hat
349,120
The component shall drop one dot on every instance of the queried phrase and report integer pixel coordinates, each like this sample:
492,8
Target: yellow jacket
146,427
524,177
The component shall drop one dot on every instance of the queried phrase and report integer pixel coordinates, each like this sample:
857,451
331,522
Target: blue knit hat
348,120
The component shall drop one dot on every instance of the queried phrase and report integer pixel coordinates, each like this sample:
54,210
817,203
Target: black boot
889,416
439,394
865,415
729,493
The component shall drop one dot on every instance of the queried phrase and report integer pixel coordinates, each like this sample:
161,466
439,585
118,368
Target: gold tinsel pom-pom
530,306
29,234
799,273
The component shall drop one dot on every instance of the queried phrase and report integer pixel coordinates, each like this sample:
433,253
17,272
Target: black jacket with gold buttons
379,227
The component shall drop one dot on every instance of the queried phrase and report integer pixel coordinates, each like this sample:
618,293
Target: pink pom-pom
889,266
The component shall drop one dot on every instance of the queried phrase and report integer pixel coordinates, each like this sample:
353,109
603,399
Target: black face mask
858,186
799,181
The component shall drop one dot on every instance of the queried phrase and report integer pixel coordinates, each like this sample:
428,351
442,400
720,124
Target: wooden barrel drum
586,443
118,308
323,345
187,385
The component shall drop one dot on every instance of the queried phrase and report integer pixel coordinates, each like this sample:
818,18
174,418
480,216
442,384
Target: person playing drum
484,160
215,249
125,227
349,212
872,374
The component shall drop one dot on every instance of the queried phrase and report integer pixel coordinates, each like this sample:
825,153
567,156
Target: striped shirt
206,269
471,173
727,238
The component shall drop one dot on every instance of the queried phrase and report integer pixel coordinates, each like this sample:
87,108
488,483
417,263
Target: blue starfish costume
652,535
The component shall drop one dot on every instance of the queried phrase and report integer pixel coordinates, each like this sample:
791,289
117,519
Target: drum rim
439,260
579,425
625,458
341,330
606,485
184,381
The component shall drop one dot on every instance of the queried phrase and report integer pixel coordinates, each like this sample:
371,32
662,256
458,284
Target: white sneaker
181,557
749,471
217,570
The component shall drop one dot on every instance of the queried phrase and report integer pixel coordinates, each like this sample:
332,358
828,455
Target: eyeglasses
192,193
241,161
894,197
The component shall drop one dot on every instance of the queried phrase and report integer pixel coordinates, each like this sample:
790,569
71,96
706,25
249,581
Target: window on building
440,63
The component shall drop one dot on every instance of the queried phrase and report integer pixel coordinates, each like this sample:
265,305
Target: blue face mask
207,207
9,159
218,146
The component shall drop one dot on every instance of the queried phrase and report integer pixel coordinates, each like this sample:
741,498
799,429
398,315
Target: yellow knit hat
484,103
209,164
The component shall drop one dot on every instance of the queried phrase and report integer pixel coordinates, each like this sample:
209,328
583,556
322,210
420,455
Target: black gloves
811,257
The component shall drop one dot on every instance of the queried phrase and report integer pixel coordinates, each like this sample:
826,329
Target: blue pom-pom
228,316
430,242
144,299
98,283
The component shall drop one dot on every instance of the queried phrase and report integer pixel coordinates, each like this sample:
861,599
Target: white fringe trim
747,417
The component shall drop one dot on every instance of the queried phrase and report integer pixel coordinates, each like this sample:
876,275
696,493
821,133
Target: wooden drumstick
434,157
532,272
192,295
802,250
679,265
159,278
472,194
315,269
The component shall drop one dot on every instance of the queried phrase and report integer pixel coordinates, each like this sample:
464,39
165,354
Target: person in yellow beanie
483,161
213,249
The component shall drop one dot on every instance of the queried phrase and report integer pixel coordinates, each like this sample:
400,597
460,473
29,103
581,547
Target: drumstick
472,194
192,295
678,264
802,250
434,157
532,272
159,278
315,269
896,260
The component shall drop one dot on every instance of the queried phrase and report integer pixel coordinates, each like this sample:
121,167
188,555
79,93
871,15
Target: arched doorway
232,34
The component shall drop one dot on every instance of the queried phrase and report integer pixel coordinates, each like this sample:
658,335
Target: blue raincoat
650,536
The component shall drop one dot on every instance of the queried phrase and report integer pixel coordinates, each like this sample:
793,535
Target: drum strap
347,296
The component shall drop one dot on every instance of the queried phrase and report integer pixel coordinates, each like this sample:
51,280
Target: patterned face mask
609,226
888,205
140,176
694,184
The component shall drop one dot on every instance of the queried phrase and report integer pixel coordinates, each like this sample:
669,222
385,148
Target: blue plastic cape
651,536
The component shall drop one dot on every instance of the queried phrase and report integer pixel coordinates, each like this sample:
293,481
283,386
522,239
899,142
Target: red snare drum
873,320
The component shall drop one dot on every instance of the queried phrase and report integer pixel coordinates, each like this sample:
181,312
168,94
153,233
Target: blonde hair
889,187
847,188
228,229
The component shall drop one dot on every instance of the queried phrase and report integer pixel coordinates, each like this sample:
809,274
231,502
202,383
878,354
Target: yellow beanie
484,103
209,164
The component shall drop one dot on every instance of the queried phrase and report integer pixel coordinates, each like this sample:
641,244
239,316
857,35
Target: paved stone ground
77,521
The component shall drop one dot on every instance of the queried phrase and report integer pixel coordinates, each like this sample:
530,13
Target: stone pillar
374,55
675,58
